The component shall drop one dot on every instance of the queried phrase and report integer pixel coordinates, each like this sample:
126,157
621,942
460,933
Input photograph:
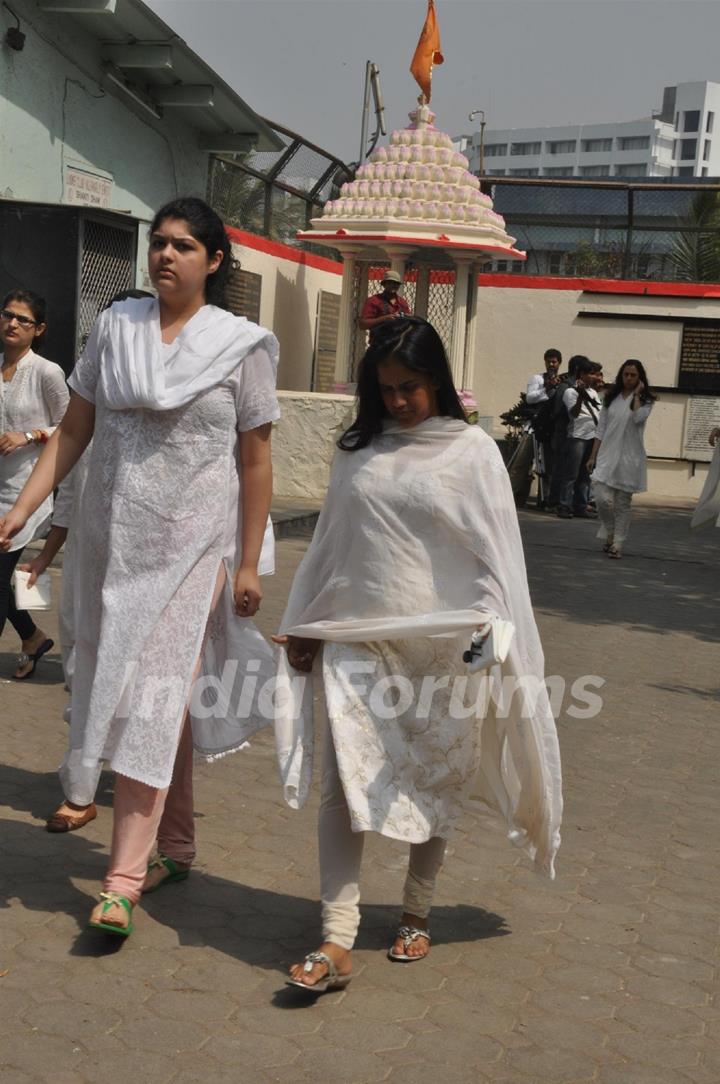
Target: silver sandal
409,934
331,981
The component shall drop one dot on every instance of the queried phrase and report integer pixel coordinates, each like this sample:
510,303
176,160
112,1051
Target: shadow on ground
261,927
669,579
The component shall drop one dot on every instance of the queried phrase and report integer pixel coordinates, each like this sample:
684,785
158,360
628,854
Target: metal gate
107,266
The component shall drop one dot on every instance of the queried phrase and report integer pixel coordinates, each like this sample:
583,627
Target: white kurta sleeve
602,424
55,395
84,377
642,413
255,398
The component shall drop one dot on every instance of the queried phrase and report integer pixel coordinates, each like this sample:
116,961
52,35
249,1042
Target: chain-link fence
662,230
275,193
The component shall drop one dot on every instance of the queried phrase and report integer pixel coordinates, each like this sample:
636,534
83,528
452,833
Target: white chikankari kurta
621,459
160,513
35,398
419,536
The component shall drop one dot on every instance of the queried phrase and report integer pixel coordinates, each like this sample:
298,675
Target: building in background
679,141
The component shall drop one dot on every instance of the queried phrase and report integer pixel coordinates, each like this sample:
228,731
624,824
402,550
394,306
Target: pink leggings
144,814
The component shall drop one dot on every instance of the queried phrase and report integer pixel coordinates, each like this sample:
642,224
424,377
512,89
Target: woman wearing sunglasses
33,399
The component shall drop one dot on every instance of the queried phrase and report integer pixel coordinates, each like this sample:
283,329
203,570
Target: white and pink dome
419,187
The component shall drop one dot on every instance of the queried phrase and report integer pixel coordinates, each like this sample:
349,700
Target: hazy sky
525,62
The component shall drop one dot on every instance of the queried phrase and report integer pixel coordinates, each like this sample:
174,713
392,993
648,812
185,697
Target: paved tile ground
609,974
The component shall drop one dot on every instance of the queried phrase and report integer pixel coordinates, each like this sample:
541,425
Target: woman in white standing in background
33,399
618,460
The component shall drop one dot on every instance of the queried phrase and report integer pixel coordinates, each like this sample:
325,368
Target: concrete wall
304,442
291,283
517,325
55,114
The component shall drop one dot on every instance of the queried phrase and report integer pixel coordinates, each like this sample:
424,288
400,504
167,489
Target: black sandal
34,658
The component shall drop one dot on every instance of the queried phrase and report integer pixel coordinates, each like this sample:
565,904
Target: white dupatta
707,510
419,537
139,373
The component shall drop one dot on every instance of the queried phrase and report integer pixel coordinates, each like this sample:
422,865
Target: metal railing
661,230
275,193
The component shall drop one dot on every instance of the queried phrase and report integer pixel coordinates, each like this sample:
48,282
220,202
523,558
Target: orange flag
427,52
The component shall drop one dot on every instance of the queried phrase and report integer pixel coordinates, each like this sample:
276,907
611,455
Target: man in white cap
385,306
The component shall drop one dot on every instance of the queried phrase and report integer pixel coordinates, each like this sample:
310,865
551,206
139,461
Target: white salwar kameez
419,537
160,514
35,398
621,465
707,510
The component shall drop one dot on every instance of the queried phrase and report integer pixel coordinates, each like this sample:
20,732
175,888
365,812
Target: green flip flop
109,899
175,872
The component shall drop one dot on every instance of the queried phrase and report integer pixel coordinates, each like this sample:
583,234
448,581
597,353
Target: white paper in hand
489,645
37,597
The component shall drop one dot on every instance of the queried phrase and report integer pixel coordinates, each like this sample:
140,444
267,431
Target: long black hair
416,344
617,388
207,228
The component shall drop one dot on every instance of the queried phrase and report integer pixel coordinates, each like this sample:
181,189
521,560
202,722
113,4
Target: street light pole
471,116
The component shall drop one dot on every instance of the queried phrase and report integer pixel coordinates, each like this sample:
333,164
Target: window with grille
525,148
243,293
107,267
495,150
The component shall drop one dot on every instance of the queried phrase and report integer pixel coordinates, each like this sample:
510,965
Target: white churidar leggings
613,507
341,855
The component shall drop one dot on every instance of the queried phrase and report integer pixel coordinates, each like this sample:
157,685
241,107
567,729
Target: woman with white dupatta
179,396
618,461
707,509
416,547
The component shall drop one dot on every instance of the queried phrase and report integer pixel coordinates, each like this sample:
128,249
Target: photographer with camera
383,307
582,408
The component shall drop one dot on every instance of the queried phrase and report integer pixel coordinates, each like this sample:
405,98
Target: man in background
381,308
582,409
540,395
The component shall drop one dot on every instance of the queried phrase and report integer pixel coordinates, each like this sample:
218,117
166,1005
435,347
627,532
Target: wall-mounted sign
86,188
702,414
700,356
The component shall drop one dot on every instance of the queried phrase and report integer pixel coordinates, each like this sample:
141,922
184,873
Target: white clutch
489,645
37,597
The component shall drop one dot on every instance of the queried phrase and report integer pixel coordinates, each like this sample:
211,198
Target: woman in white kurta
707,509
417,544
179,396
33,399
618,460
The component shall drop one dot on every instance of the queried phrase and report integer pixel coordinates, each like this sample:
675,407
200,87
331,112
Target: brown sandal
62,822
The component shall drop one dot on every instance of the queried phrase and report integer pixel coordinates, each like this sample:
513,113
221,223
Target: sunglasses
24,321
